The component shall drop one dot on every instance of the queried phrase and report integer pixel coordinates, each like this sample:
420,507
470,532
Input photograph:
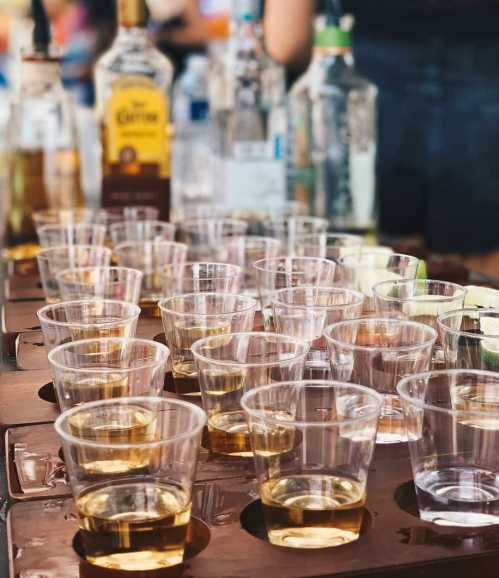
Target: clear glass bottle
332,132
133,85
43,162
192,167
344,131
247,100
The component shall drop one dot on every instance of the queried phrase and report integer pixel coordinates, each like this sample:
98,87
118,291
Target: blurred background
432,66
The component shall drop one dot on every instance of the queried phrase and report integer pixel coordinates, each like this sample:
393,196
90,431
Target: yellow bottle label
137,126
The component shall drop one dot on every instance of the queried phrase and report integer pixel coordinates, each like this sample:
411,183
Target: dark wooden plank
20,403
23,288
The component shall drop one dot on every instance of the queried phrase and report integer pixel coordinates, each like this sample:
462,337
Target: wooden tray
27,288
20,403
43,455
394,541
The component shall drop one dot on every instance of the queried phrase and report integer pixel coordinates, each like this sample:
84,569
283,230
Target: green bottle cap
333,37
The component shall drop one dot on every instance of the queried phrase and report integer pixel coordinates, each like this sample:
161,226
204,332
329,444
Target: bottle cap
333,37
246,10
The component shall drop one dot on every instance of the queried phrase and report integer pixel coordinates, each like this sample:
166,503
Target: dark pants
438,155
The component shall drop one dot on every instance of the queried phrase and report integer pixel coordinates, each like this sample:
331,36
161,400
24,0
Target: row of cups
312,439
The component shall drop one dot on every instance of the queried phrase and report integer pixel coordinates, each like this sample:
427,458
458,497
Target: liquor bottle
133,82
247,100
192,147
43,162
343,130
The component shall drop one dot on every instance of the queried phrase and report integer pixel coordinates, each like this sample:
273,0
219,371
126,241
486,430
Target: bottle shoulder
142,59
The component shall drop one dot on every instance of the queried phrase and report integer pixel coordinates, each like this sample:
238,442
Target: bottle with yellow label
133,83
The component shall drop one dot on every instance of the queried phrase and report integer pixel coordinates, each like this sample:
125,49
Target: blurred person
435,63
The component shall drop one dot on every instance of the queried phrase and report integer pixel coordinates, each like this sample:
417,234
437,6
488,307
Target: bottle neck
333,51
39,74
132,14
133,35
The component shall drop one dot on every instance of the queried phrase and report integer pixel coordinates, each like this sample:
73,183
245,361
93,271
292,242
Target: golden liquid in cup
312,511
125,424
135,526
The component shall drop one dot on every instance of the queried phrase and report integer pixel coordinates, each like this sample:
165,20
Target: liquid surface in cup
91,332
93,388
119,425
134,526
312,511
185,375
477,397
465,496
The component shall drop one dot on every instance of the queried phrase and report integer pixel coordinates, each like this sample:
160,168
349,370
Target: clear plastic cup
118,283
452,420
107,367
56,259
377,353
131,464
313,444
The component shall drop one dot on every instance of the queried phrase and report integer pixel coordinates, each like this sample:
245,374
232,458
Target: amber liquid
181,339
312,511
78,391
39,180
79,333
134,526
119,425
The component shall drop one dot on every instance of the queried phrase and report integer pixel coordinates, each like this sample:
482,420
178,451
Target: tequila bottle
249,116
133,83
43,163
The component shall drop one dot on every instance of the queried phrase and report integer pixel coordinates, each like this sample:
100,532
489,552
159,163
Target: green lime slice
421,272
481,297
489,354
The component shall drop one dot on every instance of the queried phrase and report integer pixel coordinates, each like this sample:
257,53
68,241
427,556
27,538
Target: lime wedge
490,354
421,272
481,297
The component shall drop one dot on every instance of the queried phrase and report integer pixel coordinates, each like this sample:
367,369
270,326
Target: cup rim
184,226
142,222
445,328
261,238
318,383
236,270
42,313
460,290
341,260
259,265
58,226
60,274
372,320
403,383
160,243
46,253
359,298
201,342
283,221
327,236
251,304
97,340
74,210
67,437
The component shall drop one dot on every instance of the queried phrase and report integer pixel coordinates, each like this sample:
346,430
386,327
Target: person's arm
288,28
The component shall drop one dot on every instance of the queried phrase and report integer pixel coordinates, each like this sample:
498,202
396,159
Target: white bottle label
251,184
